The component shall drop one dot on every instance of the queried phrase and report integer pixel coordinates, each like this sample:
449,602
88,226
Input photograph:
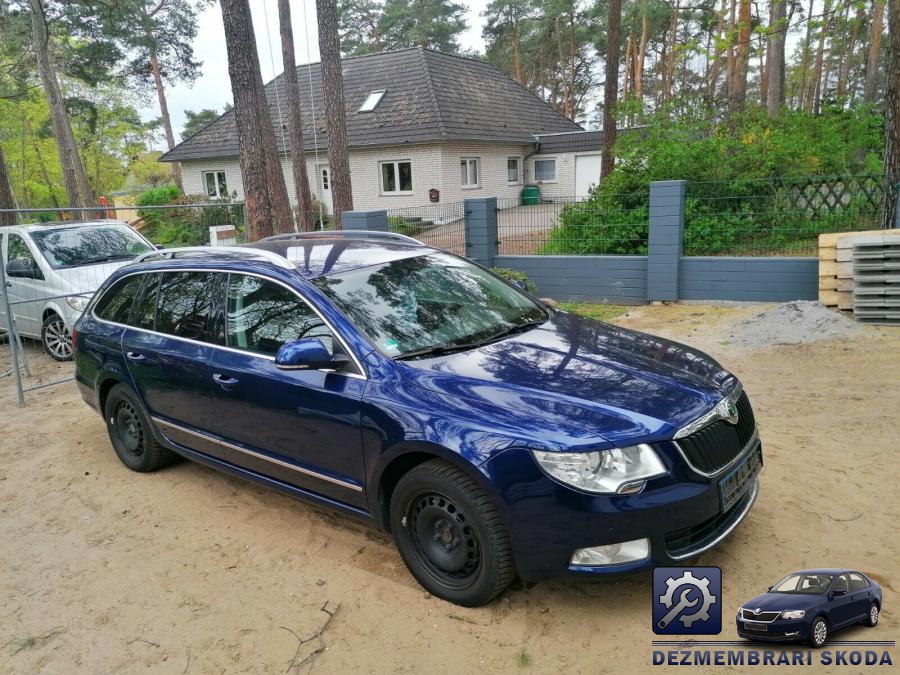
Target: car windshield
429,304
807,584
89,244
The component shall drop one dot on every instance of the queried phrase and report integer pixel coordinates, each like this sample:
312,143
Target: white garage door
587,173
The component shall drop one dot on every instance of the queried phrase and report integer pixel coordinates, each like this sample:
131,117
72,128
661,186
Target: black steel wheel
130,432
450,535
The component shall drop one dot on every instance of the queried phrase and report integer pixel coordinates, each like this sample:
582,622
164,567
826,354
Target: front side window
468,171
89,245
115,305
186,306
429,301
216,185
396,177
512,170
262,315
545,169
809,584
18,250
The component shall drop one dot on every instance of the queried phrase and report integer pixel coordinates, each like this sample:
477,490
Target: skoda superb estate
492,435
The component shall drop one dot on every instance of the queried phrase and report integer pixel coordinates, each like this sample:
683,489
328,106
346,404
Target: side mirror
838,590
19,268
307,354
771,587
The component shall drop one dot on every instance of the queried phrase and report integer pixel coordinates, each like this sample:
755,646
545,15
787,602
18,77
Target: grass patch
523,658
594,310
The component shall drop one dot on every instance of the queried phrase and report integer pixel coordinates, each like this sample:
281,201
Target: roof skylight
372,101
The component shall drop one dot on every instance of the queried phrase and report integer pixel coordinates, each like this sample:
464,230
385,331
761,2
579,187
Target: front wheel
819,633
450,535
56,338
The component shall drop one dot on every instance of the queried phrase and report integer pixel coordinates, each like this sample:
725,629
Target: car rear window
115,305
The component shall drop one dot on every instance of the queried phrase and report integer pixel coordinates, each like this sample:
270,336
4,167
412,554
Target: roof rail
210,251
345,234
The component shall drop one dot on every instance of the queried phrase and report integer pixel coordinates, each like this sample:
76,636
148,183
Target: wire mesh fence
779,217
602,225
439,225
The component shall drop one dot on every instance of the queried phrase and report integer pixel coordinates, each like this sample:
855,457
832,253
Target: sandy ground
187,570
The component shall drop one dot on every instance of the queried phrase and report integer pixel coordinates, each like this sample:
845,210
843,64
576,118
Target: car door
840,607
174,325
298,426
26,287
860,595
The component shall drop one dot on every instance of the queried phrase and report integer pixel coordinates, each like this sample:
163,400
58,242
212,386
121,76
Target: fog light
612,554
796,632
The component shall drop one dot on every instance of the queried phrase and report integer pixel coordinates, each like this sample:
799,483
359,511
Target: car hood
624,386
87,278
782,601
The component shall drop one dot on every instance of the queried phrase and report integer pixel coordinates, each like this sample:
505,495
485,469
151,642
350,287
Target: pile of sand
793,323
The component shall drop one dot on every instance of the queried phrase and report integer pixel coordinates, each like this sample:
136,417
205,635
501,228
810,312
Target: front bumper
793,630
680,514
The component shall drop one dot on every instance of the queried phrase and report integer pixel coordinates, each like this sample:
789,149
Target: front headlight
793,614
605,471
78,302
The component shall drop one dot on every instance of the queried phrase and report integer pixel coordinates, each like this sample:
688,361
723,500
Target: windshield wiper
439,350
105,258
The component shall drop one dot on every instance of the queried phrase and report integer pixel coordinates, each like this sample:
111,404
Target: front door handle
227,383
135,357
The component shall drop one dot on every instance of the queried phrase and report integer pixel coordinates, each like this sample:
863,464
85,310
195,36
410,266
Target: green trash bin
531,194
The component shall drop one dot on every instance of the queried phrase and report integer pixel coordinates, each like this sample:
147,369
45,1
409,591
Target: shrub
518,278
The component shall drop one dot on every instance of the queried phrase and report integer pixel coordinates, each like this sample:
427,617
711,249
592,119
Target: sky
213,88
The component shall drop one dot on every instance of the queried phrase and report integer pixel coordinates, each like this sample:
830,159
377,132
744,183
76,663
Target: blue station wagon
810,605
492,435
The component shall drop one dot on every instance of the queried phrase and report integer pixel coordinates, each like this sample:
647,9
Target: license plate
733,486
756,626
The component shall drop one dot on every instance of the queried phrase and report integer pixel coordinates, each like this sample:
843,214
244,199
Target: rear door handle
227,383
135,357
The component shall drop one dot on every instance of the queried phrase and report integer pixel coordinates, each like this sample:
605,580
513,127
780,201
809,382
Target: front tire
450,535
56,338
872,621
819,633
131,434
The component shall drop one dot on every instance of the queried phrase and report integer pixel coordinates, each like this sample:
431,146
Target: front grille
762,633
717,444
762,616
684,542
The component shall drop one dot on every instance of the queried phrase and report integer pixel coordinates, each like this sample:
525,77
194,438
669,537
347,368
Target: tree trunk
892,118
517,52
164,109
844,83
731,60
629,69
335,115
775,58
39,156
74,176
742,57
668,65
716,66
266,205
295,121
875,33
7,201
611,88
804,61
641,57
820,55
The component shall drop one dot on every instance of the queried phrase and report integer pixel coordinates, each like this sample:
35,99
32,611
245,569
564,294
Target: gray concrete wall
615,279
759,279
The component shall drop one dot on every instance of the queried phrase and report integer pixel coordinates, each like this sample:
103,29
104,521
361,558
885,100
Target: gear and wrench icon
687,579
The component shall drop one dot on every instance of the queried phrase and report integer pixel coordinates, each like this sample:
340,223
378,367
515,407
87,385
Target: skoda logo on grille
757,610
728,411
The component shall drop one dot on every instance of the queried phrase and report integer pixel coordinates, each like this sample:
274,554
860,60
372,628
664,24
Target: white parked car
52,270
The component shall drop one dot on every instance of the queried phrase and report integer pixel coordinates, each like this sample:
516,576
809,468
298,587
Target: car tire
131,434
450,535
818,634
872,619
56,338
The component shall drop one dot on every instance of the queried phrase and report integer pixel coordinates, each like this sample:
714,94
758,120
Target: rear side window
145,311
262,316
115,305
858,582
186,306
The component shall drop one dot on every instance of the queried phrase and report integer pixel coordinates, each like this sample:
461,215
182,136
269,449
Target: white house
424,128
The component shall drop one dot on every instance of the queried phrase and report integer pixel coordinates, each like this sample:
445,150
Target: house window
396,177
326,185
513,174
216,186
545,169
468,171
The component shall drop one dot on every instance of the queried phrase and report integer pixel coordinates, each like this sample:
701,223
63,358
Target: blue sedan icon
809,606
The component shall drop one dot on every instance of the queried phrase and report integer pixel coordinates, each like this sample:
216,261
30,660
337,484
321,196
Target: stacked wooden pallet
836,266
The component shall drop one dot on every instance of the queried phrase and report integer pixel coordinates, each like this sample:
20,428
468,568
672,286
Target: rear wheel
819,633
450,535
130,432
56,338
872,620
